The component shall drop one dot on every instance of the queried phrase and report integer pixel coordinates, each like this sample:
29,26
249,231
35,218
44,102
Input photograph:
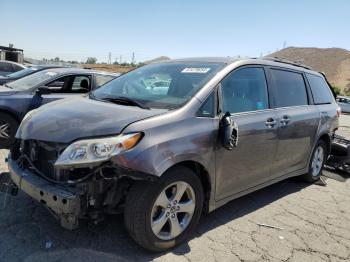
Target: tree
91,60
57,59
336,90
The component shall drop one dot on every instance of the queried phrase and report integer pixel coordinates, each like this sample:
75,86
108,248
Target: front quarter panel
165,145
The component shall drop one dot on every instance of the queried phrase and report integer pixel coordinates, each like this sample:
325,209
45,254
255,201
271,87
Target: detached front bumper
63,202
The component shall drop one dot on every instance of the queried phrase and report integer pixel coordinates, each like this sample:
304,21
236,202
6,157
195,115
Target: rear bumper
63,202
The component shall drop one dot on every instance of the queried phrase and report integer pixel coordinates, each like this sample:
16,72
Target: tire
8,129
142,212
315,170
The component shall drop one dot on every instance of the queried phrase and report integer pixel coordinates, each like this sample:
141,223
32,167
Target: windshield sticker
51,73
196,70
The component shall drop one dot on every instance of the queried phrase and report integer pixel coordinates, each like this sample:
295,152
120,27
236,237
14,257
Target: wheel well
203,175
327,140
10,114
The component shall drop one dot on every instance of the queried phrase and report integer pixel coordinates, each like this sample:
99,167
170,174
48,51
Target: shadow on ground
25,228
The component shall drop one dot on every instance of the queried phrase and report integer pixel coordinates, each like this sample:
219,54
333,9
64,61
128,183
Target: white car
344,103
8,67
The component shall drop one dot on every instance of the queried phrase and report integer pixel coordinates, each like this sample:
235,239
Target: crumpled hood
5,91
70,119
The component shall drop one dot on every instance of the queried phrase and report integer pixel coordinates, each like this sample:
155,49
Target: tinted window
320,90
16,68
70,84
6,67
343,100
244,90
207,109
291,90
81,84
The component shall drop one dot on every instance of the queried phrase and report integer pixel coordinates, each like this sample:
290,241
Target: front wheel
318,158
162,215
8,129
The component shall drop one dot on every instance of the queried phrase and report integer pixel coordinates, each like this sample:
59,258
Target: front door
245,95
64,87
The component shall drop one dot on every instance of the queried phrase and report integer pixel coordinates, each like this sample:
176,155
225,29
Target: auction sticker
196,70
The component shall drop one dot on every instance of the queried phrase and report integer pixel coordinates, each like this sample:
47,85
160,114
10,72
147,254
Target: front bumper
63,202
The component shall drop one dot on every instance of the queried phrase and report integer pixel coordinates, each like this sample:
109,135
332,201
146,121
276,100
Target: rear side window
244,90
290,88
320,90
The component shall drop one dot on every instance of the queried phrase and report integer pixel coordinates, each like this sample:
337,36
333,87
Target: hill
334,62
158,59
108,68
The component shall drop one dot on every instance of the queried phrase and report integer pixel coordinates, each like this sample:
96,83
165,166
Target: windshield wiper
8,86
125,100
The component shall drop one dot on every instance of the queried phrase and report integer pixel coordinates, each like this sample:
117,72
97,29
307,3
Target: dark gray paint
180,135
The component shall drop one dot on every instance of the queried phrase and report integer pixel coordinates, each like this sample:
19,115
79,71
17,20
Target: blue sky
77,29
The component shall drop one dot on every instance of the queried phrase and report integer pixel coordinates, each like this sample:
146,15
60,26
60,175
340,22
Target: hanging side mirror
43,90
228,132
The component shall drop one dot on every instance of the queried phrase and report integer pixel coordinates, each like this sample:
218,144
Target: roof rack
286,61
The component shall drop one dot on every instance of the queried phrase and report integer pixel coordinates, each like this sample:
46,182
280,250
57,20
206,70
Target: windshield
32,80
23,72
164,85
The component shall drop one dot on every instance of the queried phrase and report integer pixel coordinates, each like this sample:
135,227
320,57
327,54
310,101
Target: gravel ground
314,224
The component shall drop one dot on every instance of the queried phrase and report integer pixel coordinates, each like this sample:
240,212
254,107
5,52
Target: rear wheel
318,158
161,215
8,129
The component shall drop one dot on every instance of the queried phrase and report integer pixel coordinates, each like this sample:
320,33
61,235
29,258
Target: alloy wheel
173,210
317,161
4,130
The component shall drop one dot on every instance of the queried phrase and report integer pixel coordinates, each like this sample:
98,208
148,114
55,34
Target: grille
41,154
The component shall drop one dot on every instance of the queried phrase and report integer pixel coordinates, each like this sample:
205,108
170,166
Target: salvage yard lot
313,224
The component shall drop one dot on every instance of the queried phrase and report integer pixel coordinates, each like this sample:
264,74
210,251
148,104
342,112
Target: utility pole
109,58
133,58
284,44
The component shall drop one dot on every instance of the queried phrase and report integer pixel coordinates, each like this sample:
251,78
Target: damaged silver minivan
209,131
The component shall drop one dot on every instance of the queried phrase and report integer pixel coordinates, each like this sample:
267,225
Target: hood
70,119
5,91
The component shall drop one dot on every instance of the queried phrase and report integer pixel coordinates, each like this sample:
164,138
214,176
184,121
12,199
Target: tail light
338,111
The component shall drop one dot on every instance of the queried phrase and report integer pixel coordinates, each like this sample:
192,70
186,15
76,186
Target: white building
11,54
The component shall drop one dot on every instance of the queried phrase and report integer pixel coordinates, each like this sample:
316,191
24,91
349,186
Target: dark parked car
24,72
32,91
223,129
8,67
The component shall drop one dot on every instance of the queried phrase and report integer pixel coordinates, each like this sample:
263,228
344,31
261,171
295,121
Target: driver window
81,84
70,84
244,90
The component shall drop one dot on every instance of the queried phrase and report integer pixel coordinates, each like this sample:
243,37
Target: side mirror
43,90
228,132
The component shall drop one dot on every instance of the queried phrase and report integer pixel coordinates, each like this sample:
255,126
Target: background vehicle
24,72
8,67
223,129
32,91
344,103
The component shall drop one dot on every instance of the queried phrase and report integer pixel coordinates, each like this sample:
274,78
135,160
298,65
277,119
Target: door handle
270,122
285,120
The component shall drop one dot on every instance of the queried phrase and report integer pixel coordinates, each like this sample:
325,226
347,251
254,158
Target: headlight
97,150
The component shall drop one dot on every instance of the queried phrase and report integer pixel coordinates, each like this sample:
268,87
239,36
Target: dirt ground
313,224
